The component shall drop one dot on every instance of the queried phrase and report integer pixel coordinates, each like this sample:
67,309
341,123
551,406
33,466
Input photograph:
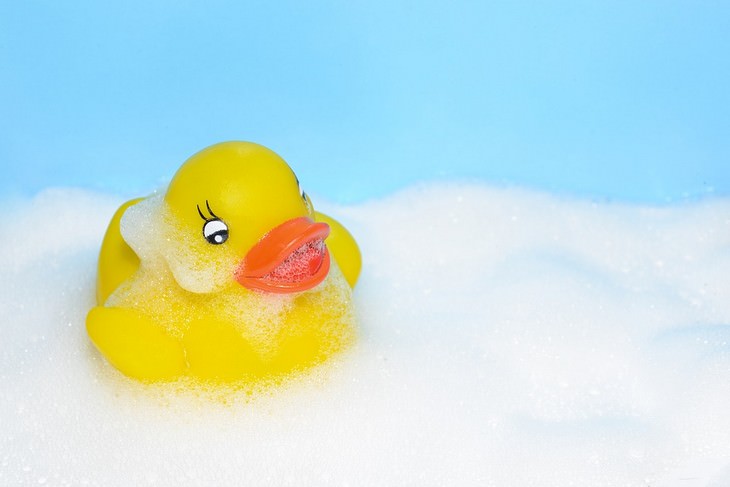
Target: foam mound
506,338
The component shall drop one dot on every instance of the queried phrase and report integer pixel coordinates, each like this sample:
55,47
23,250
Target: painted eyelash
299,185
213,215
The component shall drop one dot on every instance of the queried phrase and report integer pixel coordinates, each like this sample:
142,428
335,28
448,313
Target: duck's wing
135,345
343,248
117,260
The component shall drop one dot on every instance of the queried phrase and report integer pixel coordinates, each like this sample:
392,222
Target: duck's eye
215,231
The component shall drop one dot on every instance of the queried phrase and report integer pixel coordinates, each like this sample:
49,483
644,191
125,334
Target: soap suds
506,338
303,263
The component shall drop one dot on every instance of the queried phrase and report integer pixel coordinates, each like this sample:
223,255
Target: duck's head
234,214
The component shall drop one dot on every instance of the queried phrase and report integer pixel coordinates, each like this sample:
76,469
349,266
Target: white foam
507,338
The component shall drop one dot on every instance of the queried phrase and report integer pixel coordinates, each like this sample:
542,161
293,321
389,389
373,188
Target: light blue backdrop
626,100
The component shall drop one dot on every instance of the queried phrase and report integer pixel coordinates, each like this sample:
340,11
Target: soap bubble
506,337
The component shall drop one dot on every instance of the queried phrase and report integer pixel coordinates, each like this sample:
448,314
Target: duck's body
225,277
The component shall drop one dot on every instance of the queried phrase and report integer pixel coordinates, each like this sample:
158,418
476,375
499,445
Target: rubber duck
230,275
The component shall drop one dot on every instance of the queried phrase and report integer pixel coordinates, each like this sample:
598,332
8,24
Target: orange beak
292,257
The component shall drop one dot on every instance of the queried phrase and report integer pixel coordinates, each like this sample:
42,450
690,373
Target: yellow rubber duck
226,277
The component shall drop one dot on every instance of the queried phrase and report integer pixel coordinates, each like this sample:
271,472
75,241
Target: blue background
618,100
